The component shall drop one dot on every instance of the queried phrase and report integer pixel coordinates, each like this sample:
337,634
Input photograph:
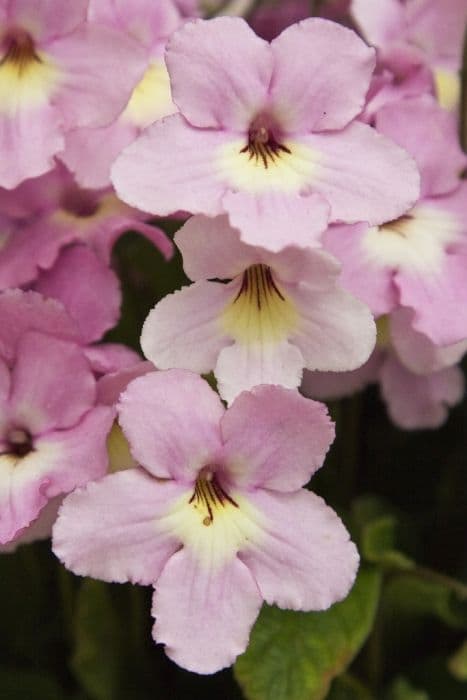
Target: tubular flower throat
20,53
260,311
209,497
263,147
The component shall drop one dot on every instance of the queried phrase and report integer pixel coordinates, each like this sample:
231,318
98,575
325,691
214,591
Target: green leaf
21,684
457,664
97,657
295,656
401,689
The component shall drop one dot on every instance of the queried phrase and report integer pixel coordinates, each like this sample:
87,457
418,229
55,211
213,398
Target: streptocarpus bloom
215,517
265,134
89,152
430,30
418,261
279,312
52,433
418,381
45,214
57,72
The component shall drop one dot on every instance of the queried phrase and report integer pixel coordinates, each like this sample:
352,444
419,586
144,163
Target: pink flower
265,134
47,213
57,72
215,517
279,312
430,30
418,261
89,152
52,433
418,381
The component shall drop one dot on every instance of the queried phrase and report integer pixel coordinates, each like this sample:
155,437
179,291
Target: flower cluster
316,174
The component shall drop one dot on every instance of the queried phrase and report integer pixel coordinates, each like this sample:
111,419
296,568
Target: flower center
209,497
398,226
79,203
260,311
262,146
19,52
19,442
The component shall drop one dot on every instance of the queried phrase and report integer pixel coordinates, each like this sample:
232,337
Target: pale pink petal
172,167
112,385
219,72
59,462
305,559
430,135
438,28
171,420
147,21
381,21
416,351
336,331
276,219
420,401
81,146
212,249
275,439
109,530
438,299
369,282
46,19
23,311
363,175
52,383
39,529
326,386
185,331
100,69
106,358
321,75
87,288
204,615
242,366
29,140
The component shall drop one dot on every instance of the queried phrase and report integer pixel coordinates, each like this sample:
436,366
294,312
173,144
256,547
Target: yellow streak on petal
290,172
448,88
151,98
118,449
230,531
30,87
261,312
383,332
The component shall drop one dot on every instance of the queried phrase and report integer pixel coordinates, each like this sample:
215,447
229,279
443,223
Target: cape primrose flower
57,72
265,134
279,312
215,516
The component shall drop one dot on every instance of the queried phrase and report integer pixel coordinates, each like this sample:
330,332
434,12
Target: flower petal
46,19
109,529
430,135
184,329
172,167
415,401
244,365
219,72
305,561
22,311
275,439
171,420
363,175
336,332
275,220
204,616
321,76
52,384
100,68
380,22
95,306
